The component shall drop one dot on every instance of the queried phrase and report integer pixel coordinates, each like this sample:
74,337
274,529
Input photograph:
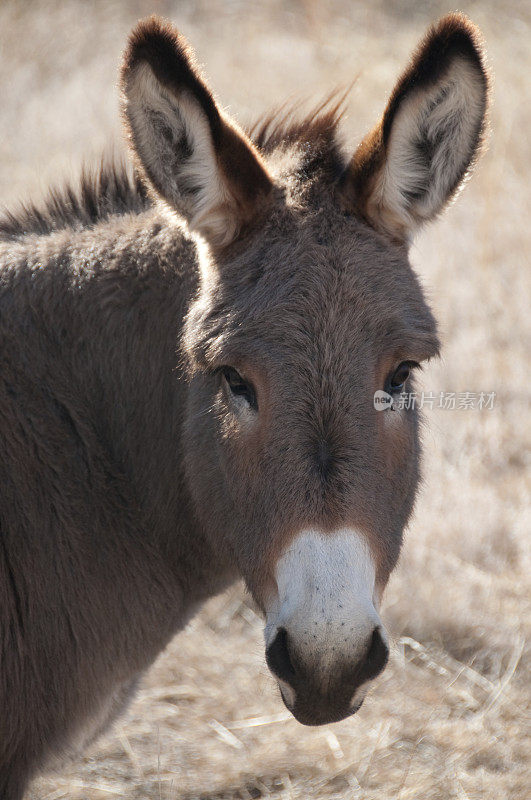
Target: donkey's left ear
186,148
408,168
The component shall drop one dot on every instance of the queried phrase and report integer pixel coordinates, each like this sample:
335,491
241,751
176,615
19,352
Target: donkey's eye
239,387
397,379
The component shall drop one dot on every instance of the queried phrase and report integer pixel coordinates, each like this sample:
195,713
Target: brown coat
187,380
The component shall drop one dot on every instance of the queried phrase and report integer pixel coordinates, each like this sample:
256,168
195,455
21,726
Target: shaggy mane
317,128
101,193
114,190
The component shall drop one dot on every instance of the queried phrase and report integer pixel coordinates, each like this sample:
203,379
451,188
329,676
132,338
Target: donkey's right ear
195,158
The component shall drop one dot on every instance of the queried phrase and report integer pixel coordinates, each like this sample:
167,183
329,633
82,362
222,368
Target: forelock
303,147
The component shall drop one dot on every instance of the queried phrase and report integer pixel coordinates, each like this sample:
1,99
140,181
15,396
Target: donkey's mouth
316,709
321,711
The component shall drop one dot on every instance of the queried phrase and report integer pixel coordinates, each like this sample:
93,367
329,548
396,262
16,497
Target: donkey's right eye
239,387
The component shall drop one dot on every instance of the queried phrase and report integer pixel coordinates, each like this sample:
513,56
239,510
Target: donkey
188,361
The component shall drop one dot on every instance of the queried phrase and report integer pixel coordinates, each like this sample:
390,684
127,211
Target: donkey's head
307,306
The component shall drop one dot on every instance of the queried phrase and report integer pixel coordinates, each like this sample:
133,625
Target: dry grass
450,716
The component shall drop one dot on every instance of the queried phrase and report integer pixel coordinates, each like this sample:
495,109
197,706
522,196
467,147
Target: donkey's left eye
239,387
398,378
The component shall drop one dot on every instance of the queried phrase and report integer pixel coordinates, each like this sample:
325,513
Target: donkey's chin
313,715
314,712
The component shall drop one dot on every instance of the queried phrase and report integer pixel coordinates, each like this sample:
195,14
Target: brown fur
131,485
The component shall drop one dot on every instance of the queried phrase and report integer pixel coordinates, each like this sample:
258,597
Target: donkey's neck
107,309
144,295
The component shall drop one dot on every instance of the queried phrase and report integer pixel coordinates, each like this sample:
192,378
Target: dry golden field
450,717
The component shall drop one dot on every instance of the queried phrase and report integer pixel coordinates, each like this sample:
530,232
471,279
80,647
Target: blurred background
450,716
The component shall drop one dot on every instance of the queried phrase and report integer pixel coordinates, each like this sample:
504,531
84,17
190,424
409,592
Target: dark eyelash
238,386
393,388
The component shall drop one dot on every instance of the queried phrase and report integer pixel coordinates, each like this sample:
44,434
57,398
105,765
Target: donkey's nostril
278,657
377,656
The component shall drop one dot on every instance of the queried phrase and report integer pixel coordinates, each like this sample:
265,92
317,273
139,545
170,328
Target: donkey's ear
408,168
197,160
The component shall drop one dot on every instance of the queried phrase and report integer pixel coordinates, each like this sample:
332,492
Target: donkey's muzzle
317,695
